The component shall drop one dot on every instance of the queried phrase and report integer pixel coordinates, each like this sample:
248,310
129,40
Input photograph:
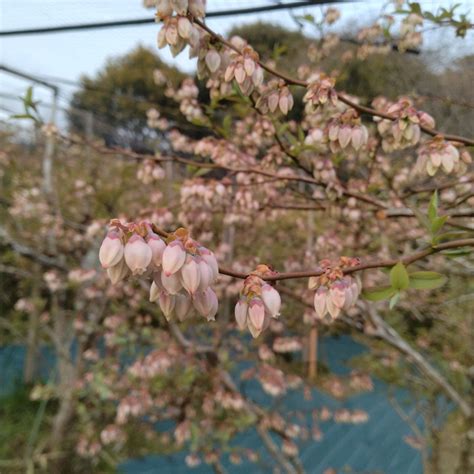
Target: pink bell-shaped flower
256,313
111,250
171,283
137,254
240,312
118,272
167,303
174,257
272,300
190,275
183,306
157,248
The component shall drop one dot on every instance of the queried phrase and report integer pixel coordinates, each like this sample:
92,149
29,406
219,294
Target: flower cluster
258,302
245,69
166,8
346,130
181,268
409,37
276,96
321,90
437,152
150,171
334,290
404,131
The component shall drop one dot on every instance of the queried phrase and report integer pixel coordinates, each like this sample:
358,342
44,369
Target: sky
69,55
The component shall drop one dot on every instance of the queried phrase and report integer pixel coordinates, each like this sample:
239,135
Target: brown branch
407,260
360,108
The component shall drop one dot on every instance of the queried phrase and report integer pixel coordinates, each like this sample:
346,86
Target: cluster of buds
404,131
347,130
177,32
258,302
181,268
409,37
321,90
276,96
150,171
334,290
245,69
166,8
331,15
438,152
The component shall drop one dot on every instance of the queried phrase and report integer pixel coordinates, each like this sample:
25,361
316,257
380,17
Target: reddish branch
360,108
407,260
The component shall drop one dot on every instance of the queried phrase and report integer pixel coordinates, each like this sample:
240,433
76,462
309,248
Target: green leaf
394,300
378,294
426,280
433,207
438,223
457,252
399,277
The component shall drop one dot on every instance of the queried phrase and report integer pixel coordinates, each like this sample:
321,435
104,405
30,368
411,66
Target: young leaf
437,223
433,207
394,300
378,294
399,277
426,280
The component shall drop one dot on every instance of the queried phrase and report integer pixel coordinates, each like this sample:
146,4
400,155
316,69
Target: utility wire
143,21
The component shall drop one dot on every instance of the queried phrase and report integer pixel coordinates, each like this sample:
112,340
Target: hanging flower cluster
276,96
258,302
321,90
150,171
178,31
437,153
181,268
346,130
334,290
166,8
245,69
404,131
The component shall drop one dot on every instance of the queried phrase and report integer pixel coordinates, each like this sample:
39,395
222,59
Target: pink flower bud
271,299
239,73
155,291
240,312
174,257
118,272
182,307
320,298
190,275
344,135
249,66
167,303
184,27
180,6
137,254
211,260
273,100
171,283
206,275
337,294
157,248
197,8
206,303
111,250
332,308
256,313
213,60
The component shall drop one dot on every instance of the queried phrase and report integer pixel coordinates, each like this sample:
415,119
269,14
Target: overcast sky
68,55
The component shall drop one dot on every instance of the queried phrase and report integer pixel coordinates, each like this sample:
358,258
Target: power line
144,21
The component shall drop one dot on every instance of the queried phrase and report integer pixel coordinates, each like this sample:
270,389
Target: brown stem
360,108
